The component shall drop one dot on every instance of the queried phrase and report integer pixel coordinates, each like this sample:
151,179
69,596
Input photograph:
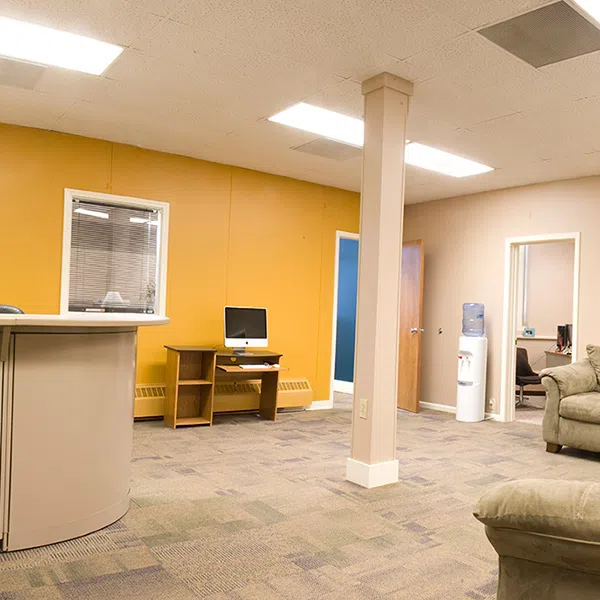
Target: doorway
541,294
344,322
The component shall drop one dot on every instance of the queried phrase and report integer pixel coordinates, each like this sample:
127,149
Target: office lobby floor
259,510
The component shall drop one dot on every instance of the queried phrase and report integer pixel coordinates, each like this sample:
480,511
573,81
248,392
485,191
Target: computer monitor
245,327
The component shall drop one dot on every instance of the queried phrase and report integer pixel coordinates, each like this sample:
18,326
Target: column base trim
371,476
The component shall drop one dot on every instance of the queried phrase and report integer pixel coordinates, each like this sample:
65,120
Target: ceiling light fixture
349,130
432,159
91,213
323,122
46,46
591,7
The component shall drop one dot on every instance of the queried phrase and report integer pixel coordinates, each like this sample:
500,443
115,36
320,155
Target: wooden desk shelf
191,374
190,386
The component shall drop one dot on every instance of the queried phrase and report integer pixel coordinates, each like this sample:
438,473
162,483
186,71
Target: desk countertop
82,320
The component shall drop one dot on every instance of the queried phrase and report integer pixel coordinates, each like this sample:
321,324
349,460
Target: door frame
339,236
510,310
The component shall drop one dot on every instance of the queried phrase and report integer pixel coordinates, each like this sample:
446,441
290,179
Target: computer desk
229,363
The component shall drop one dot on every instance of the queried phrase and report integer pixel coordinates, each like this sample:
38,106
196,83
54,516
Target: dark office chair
7,308
525,374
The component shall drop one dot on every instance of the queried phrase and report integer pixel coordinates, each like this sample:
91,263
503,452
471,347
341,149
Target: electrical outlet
364,405
492,404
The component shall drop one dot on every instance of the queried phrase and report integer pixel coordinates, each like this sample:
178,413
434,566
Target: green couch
547,535
572,415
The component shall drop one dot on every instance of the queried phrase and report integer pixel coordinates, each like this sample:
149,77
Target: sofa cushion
583,407
593,353
576,378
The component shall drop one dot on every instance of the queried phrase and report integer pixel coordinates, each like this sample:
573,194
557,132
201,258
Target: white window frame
163,207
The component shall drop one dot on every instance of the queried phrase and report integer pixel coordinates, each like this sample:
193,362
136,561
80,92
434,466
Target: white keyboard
250,367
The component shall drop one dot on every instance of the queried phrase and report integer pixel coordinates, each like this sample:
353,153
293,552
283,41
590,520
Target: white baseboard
439,407
370,476
344,387
321,405
452,409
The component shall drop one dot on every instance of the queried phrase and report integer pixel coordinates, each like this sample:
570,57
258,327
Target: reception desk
66,415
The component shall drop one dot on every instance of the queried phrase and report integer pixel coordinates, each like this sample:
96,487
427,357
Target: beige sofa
572,415
547,535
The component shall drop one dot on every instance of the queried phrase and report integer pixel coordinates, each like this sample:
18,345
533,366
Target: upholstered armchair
572,415
547,535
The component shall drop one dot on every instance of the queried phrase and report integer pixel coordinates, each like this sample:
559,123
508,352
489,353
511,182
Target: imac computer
245,327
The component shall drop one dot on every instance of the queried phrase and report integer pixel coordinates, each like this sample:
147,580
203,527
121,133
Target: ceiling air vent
329,149
547,35
20,74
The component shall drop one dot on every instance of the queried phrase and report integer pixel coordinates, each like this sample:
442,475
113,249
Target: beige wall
536,352
464,262
549,286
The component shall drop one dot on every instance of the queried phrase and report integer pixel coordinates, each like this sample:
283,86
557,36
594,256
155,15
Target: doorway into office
541,307
344,317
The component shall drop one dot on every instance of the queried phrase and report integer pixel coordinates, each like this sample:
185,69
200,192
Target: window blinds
114,258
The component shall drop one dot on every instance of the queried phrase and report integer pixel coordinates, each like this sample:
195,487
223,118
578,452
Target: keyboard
250,367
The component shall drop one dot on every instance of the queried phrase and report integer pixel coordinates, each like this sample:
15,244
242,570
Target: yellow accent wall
235,237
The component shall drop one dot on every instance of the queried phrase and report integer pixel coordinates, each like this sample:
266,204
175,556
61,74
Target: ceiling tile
31,108
281,28
580,76
70,84
480,66
397,28
150,126
477,14
345,97
115,21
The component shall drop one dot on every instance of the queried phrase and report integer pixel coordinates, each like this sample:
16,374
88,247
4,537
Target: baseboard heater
230,396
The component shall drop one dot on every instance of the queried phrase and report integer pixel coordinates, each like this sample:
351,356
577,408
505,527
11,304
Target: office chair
8,309
525,374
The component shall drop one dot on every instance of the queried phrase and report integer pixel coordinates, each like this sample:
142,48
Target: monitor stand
241,352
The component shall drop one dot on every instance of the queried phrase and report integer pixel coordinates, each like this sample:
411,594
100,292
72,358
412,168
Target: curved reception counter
66,416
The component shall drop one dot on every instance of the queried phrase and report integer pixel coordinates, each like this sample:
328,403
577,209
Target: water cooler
472,366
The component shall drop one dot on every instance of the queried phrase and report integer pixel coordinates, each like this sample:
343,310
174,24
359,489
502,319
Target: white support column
373,454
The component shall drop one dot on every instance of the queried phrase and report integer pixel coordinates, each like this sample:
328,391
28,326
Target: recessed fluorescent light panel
432,159
323,122
591,7
335,126
46,46
91,213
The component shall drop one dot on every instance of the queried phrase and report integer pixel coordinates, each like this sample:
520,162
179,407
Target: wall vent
547,35
329,149
149,391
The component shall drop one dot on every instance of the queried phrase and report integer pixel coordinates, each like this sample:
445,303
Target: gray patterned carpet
259,510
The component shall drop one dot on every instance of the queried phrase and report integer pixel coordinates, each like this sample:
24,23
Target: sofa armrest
563,509
577,378
551,420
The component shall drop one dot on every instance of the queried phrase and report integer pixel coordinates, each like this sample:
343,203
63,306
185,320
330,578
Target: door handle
417,330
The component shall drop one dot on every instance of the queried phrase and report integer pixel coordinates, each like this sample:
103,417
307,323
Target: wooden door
411,323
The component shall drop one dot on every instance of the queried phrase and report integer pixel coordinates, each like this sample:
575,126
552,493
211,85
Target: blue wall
346,310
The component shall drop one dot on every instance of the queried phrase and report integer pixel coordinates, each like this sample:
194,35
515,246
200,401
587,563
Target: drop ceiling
200,79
